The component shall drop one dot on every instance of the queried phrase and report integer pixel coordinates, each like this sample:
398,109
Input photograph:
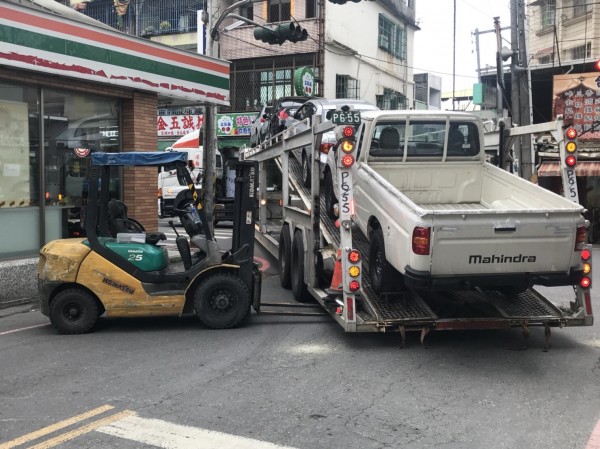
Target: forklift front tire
222,301
74,311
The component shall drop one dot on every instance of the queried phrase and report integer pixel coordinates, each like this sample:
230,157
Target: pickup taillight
580,238
325,147
421,240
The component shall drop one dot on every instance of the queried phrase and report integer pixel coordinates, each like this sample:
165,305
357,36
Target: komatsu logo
115,284
478,258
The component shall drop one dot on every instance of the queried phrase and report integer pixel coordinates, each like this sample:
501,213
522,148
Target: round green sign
304,81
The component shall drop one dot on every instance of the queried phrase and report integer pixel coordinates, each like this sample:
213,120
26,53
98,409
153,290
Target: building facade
356,50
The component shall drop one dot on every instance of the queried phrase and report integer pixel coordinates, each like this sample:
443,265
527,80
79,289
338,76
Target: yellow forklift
120,270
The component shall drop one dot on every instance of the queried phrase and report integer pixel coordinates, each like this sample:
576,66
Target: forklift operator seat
119,222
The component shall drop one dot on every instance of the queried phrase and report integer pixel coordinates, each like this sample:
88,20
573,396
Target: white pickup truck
437,216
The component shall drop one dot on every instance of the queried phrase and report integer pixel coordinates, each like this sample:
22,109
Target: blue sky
433,50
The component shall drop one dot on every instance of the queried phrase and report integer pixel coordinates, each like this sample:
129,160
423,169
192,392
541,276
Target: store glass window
19,170
46,139
75,126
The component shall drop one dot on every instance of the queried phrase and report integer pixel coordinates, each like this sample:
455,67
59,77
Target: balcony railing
147,17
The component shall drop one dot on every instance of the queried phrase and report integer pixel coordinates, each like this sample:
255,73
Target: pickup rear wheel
285,256
222,301
297,269
379,268
306,169
329,193
74,311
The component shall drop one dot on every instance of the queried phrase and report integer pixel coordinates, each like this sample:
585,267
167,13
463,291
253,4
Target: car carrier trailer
312,248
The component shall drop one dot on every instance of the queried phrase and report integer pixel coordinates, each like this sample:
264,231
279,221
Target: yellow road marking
54,427
81,430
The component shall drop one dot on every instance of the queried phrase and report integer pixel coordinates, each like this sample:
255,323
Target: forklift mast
245,206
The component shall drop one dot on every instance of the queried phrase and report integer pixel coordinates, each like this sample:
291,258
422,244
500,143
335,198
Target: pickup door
501,243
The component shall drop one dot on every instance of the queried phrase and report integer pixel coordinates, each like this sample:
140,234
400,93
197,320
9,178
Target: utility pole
210,139
519,68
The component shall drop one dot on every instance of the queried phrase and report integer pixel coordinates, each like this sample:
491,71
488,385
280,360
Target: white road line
23,329
174,436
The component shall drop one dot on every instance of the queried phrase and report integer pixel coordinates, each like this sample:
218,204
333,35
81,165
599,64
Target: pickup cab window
424,139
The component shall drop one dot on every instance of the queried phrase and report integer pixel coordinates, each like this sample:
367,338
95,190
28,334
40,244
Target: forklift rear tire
222,301
297,270
285,257
74,311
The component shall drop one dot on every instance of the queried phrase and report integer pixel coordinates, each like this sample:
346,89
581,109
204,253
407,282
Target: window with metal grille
347,87
392,37
580,7
391,100
255,82
311,9
279,10
548,13
247,11
581,51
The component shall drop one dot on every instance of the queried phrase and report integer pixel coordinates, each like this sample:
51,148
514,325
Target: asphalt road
294,382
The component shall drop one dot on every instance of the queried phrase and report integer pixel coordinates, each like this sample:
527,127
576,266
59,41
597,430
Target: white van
168,184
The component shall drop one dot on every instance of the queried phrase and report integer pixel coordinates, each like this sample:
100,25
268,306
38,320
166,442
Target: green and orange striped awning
34,40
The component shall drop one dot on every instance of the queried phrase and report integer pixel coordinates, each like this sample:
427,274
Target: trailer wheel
222,301
297,270
379,268
306,171
330,199
285,257
74,311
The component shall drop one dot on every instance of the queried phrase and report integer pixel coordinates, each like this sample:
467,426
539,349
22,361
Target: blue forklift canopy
156,158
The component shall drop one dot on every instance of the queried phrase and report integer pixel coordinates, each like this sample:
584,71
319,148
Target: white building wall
351,48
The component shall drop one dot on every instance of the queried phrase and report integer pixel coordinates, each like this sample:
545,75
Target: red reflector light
353,256
420,240
348,131
350,304
585,254
571,133
354,286
571,161
586,282
347,161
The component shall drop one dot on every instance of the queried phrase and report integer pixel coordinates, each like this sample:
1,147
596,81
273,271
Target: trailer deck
408,310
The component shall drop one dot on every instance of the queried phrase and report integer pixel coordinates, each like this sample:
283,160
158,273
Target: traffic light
286,31
266,34
293,33
570,147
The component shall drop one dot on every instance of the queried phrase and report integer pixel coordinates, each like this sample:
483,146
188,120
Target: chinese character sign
235,124
178,125
577,98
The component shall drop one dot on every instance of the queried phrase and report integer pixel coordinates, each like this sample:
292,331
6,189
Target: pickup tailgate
496,243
